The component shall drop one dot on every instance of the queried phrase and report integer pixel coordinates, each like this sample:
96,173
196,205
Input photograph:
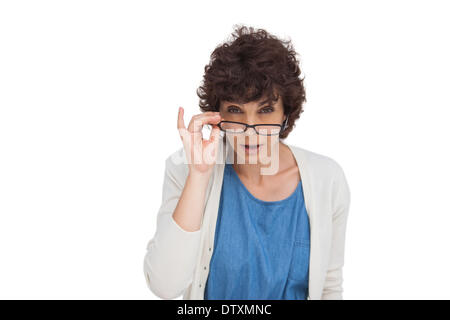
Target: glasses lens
268,130
231,127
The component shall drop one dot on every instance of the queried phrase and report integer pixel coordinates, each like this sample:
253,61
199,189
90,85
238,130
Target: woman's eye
267,110
232,110
264,110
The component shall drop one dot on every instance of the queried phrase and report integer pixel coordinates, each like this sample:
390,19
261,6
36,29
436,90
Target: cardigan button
209,249
200,285
204,268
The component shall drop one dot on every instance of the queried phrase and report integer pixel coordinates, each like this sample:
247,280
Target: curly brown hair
252,65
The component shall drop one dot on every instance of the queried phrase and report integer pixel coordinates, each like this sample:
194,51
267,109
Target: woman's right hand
201,154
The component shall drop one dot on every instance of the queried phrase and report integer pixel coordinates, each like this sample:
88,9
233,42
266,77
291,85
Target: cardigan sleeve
341,203
171,255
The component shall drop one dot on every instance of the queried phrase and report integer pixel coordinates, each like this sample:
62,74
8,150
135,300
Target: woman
245,215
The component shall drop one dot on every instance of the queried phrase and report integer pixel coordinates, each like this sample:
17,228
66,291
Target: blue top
261,248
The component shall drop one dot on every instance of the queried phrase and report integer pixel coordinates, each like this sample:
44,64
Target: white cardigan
177,261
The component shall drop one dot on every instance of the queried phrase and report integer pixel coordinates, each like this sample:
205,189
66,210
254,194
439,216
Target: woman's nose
251,131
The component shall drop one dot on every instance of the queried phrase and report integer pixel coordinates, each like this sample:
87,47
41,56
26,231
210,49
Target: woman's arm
333,283
171,256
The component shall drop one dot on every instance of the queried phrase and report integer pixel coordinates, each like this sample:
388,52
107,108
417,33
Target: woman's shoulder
322,171
317,163
177,164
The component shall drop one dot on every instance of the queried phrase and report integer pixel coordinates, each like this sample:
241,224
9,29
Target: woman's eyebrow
238,105
264,102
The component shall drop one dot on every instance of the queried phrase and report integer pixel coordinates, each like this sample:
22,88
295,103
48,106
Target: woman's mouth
251,148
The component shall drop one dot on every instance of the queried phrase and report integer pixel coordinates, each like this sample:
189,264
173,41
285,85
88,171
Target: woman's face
255,112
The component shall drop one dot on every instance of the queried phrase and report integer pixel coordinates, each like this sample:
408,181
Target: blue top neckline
291,196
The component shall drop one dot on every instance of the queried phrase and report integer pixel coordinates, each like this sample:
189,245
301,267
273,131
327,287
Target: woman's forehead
251,104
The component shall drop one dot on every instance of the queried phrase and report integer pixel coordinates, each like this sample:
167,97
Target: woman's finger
207,113
215,134
180,123
197,123
212,147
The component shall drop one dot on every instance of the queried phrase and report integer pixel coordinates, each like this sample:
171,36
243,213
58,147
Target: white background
89,92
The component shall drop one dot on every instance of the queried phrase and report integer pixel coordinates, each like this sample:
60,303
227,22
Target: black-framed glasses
266,129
